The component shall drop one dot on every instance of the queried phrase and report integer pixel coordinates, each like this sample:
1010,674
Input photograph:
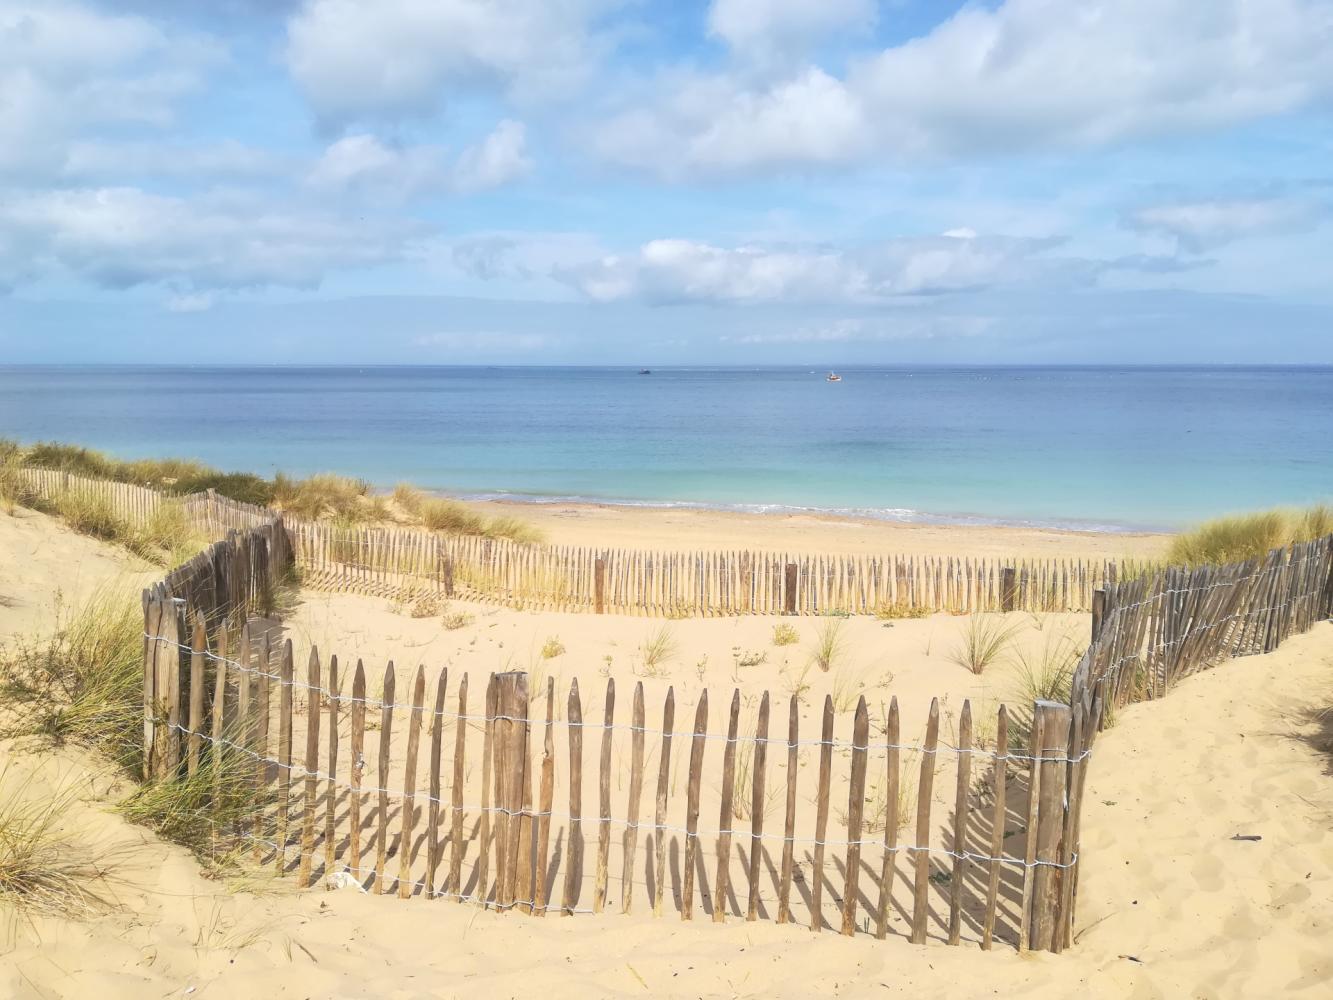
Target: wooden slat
574,865
487,767
455,883
821,816
410,786
892,732
285,709
960,817
789,826
198,646
1030,835
357,767
723,880
218,731
998,820
758,801
604,800
547,800
433,843
382,775
311,766
925,790
856,801
631,841
660,811
261,743
692,805
331,785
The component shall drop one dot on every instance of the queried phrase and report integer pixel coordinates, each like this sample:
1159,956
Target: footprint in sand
1207,872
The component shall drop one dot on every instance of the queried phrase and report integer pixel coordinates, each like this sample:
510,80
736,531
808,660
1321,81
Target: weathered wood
789,825
456,844
487,769
1030,832
821,817
409,817
1050,821
789,589
697,744
382,775
1069,839
1008,589
515,857
599,586
311,766
287,677
758,802
856,800
331,784
357,767
723,881
604,800
631,841
547,800
574,864
998,819
660,811
198,647
960,815
262,700
218,733
434,847
892,730
926,789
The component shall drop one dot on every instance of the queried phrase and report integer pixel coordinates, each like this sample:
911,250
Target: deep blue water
1095,446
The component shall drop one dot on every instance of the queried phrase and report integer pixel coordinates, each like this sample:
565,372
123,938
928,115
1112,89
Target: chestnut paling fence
434,791
400,561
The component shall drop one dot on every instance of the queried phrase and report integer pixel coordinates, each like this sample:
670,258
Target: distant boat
833,377
645,371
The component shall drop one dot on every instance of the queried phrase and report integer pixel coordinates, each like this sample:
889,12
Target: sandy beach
1169,905
615,526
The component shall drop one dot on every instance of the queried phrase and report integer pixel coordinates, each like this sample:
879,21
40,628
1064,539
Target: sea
1097,448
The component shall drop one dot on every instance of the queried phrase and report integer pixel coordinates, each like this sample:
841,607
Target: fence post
152,622
599,585
789,590
514,797
1008,588
1051,720
1098,612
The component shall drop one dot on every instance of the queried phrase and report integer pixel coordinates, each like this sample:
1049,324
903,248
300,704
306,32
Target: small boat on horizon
645,371
833,377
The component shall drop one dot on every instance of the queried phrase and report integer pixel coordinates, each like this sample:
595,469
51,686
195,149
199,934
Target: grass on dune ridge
1241,537
323,495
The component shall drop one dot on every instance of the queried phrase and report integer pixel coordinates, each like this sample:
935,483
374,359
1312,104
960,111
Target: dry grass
658,648
324,495
890,611
1249,536
84,682
986,640
167,538
449,516
1044,674
14,489
42,871
785,635
512,528
552,647
829,646
454,620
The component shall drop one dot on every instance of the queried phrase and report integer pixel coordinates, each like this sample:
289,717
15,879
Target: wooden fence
398,561
832,825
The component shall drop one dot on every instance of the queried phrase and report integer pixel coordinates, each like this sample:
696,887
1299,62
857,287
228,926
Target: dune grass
785,635
986,640
1249,536
323,495
1042,674
659,648
83,683
42,871
829,645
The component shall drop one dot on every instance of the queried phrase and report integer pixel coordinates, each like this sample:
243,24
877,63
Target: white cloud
64,66
363,163
228,158
123,237
1028,74
1204,224
674,270
401,58
773,29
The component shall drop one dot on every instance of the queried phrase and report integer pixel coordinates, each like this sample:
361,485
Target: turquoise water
1087,446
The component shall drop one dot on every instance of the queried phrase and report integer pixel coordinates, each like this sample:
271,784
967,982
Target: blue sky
739,181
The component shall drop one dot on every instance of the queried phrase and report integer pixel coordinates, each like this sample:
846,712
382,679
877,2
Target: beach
1180,907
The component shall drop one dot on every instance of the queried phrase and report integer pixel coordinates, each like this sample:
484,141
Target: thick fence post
1051,770
513,799
1098,612
599,585
1008,588
789,590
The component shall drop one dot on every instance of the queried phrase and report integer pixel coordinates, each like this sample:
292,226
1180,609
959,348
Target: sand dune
1170,905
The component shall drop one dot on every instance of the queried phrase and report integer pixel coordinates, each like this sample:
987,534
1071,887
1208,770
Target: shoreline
680,528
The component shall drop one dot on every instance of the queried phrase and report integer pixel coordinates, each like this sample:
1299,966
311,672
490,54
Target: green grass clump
14,489
322,495
244,487
659,647
785,635
89,513
829,646
552,647
167,537
449,516
986,638
83,683
408,498
891,610
512,528
1242,537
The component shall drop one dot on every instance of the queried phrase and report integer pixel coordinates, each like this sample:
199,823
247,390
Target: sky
630,182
